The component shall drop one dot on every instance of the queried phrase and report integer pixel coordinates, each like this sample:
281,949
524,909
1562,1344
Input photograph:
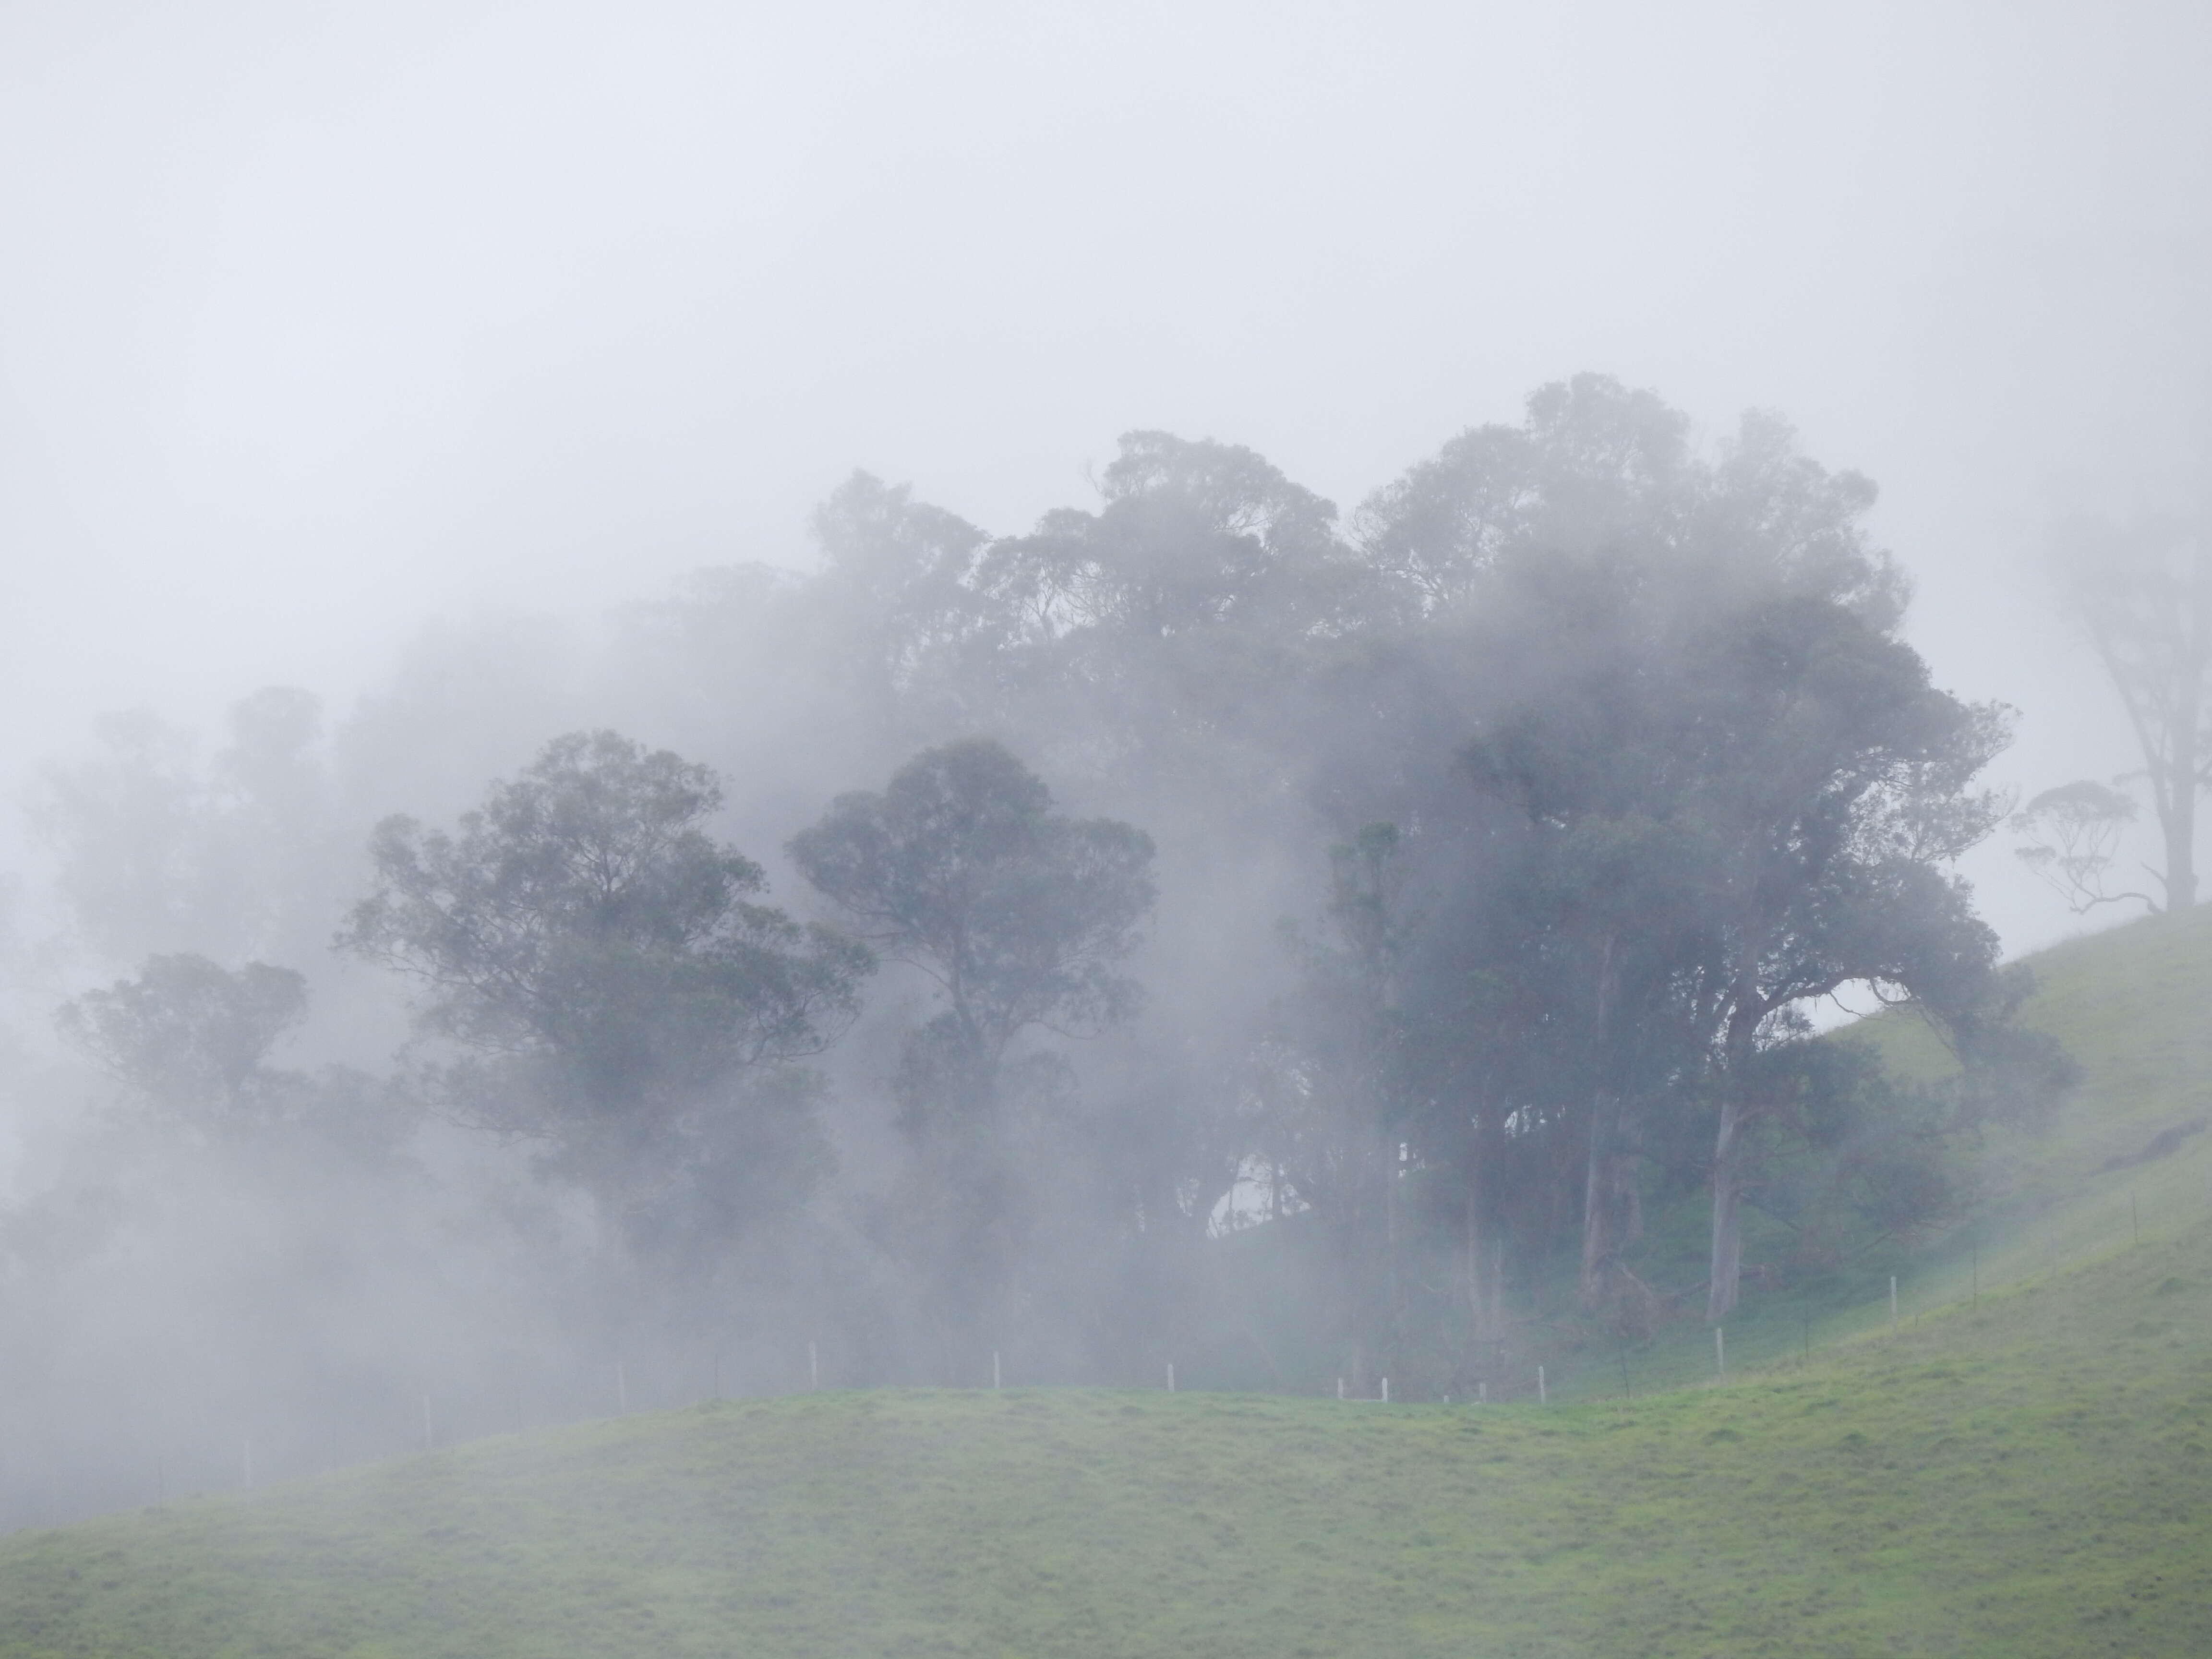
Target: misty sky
318,322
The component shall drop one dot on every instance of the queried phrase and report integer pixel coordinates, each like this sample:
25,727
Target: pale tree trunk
1603,1175
1486,1281
1390,1257
1731,1149
2189,735
1727,1271
2178,820
2154,636
1612,1210
2181,857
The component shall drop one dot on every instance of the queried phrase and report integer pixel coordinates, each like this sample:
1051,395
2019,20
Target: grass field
2019,1471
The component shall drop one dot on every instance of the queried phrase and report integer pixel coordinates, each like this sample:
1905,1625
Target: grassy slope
2020,1476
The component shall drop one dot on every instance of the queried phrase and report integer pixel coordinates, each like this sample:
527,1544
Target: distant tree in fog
192,1039
2070,837
2144,593
906,638
605,960
160,851
194,1035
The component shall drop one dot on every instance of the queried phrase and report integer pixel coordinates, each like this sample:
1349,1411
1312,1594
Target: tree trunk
2177,802
2181,853
1602,1176
1484,1265
1727,1271
1611,1209
2189,736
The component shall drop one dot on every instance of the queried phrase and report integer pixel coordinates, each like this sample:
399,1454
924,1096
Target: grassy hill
2016,1470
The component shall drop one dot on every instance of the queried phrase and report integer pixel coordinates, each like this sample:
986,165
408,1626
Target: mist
384,396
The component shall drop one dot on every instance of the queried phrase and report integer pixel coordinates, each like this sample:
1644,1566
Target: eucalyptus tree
1338,1111
2070,837
1834,789
1593,463
1750,807
1021,915
193,1038
1022,918
161,850
604,966
897,618
2144,592
1711,782
1163,641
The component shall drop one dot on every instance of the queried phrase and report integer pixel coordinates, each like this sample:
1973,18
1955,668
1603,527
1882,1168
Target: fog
421,356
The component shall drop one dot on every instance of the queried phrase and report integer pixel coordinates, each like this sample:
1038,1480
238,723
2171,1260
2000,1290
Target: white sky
318,321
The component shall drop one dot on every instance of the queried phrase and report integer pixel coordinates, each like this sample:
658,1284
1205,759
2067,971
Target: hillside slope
2018,1467
2026,1477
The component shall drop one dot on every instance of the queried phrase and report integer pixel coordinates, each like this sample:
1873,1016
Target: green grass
2023,1473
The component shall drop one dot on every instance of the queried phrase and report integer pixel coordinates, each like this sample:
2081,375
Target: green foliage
962,869
1713,784
603,956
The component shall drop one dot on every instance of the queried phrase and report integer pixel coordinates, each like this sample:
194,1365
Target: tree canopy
1503,839
583,933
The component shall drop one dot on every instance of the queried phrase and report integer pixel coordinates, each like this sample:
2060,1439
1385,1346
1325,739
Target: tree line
1414,900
